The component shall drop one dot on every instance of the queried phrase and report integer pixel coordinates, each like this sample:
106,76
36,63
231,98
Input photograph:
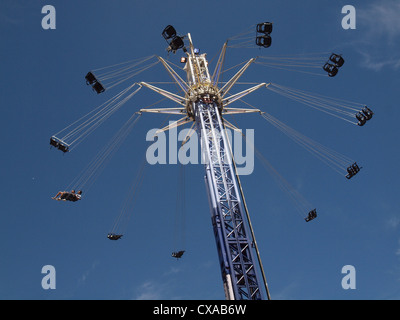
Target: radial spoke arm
181,83
220,63
178,111
189,134
165,93
228,111
231,126
243,93
225,89
175,124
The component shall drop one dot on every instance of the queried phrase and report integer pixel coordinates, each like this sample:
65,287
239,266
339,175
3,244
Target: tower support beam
205,104
234,243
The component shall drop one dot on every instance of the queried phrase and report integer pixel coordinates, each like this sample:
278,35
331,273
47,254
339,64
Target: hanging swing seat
94,82
68,196
176,44
331,69
59,144
169,32
367,113
352,170
90,78
264,27
178,254
263,41
113,236
311,215
364,115
98,87
336,59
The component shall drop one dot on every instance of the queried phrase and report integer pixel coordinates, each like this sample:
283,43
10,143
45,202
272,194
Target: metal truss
234,246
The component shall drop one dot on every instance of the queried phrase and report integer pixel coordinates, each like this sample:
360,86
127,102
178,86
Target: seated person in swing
113,236
311,215
367,112
178,254
352,170
361,119
68,196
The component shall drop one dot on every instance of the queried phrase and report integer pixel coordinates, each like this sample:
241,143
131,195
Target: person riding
311,215
68,196
367,112
113,236
361,119
178,254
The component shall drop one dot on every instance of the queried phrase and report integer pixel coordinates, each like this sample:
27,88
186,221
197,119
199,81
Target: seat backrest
333,72
98,87
176,43
169,32
265,27
54,143
90,78
63,148
263,41
336,59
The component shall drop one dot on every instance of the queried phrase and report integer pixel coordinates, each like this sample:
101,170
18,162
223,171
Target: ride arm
180,82
218,68
178,111
172,96
243,93
225,89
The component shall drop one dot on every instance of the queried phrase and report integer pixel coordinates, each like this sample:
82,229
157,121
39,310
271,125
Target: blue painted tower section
234,244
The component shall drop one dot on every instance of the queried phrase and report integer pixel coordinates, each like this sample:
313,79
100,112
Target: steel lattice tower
204,104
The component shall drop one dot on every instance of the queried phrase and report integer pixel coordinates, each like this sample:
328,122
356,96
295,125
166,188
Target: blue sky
43,90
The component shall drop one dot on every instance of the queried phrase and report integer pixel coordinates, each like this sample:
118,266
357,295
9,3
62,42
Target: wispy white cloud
381,18
398,249
159,289
287,292
84,276
375,61
150,290
13,12
379,42
393,222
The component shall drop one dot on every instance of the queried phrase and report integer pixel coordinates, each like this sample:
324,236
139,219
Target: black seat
331,69
98,87
113,236
311,215
352,170
263,41
361,119
169,32
350,173
90,78
63,148
367,112
176,43
59,144
54,142
72,197
336,59
178,254
264,27
355,167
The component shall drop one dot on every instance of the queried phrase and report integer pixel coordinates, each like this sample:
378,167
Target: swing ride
205,102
